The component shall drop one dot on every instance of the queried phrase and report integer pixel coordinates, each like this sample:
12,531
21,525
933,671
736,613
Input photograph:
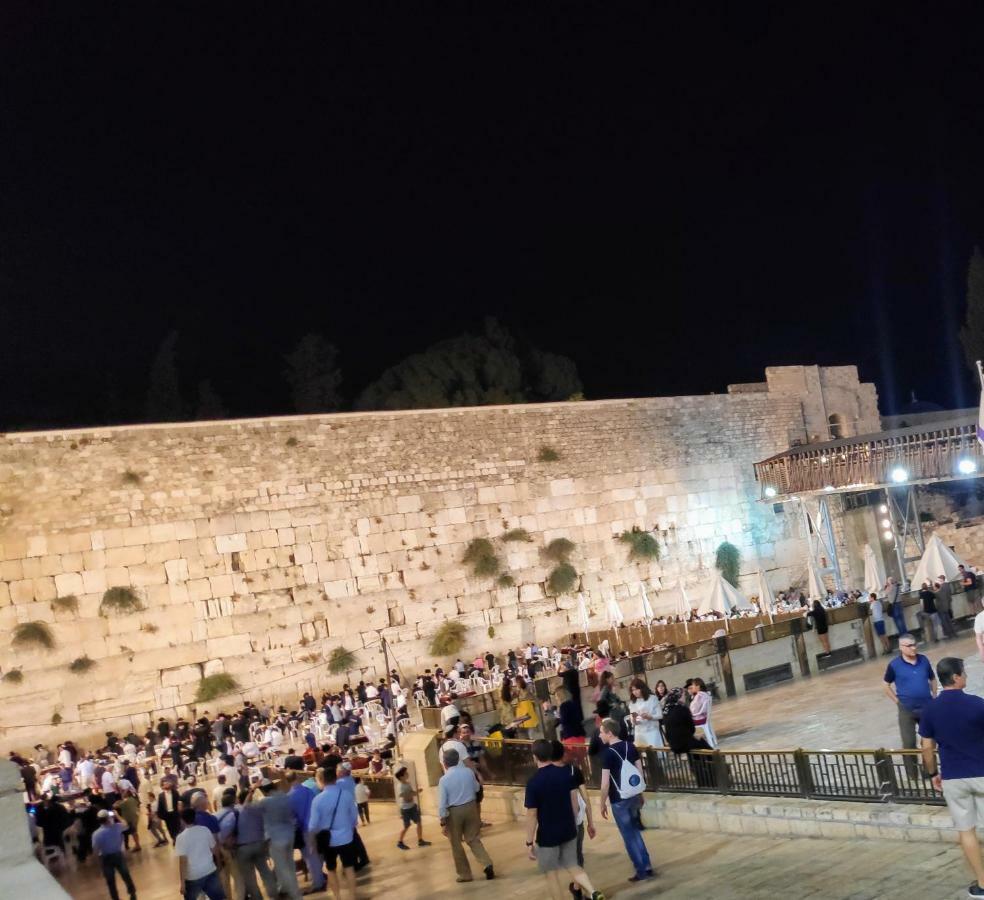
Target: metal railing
872,776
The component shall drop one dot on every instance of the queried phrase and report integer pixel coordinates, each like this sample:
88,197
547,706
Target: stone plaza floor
691,865
841,709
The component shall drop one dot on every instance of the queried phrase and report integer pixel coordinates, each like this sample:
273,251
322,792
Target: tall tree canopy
164,403
314,376
972,333
473,370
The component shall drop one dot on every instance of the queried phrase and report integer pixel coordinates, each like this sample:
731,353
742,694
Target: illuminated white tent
815,588
937,559
766,598
874,572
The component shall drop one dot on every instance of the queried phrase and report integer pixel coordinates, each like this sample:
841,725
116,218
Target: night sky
674,195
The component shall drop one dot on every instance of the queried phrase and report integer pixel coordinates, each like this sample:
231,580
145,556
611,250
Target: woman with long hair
646,714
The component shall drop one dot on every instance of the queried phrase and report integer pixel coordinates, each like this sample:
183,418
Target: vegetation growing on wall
120,600
448,639
212,686
33,634
13,676
68,603
131,478
481,556
547,454
517,534
562,580
505,580
643,545
341,660
727,560
82,664
559,550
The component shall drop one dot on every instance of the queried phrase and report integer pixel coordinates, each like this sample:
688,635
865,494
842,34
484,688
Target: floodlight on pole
886,524
883,508
966,467
770,491
887,535
899,475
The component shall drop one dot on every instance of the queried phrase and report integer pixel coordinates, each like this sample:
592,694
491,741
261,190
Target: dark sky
674,195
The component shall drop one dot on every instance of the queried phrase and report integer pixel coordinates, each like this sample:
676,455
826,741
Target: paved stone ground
838,710
691,865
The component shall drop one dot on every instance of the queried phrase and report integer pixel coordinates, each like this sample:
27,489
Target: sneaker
401,845
975,890
597,895
423,843
489,873
637,877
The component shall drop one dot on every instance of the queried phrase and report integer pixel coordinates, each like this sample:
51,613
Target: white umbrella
814,583
684,609
647,610
582,609
874,572
724,598
937,559
615,617
766,598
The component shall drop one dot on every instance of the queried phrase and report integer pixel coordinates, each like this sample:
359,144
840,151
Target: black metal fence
874,776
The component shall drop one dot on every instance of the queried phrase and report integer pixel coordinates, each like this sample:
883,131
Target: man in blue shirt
914,683
334,815
954,722
460,822
107,844
551,823
301,797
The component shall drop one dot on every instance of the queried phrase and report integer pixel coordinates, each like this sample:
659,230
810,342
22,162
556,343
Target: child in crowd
153,822
362,800
405,798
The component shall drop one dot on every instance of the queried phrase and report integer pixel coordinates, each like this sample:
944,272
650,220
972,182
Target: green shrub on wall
68,603
212,686
505,581
120,600
643,546
547,454
481,556
341,660
33,634
517,534
82,664
727,560
448,639
13,676
562,580
559,550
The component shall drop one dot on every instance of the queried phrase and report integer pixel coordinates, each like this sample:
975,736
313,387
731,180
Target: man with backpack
622,784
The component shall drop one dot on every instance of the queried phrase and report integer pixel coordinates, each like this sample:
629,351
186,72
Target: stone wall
256,547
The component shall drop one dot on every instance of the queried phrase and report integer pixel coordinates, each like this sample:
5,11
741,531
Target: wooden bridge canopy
942,450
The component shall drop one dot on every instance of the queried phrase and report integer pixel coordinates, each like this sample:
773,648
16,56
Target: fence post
886,774
722,777
803,774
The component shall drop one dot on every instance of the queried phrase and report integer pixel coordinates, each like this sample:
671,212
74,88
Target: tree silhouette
972,333
210,405
473,370
164,402
314,376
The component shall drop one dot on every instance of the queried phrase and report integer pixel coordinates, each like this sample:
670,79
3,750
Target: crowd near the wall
268,802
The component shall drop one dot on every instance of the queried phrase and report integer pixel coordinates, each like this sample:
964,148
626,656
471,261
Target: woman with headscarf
678,726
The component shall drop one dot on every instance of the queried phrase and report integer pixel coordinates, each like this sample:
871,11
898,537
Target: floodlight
770,491
887,535
898,475
966,467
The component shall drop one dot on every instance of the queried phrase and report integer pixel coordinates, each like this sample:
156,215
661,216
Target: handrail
863,775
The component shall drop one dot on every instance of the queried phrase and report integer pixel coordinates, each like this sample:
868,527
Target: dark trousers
364,813
111,864
946,622
210,886
173,822
907,729
361,857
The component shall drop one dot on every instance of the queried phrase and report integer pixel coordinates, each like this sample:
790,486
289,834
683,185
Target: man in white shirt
401,699
84,772
108,785
65,757
371,692
197,854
